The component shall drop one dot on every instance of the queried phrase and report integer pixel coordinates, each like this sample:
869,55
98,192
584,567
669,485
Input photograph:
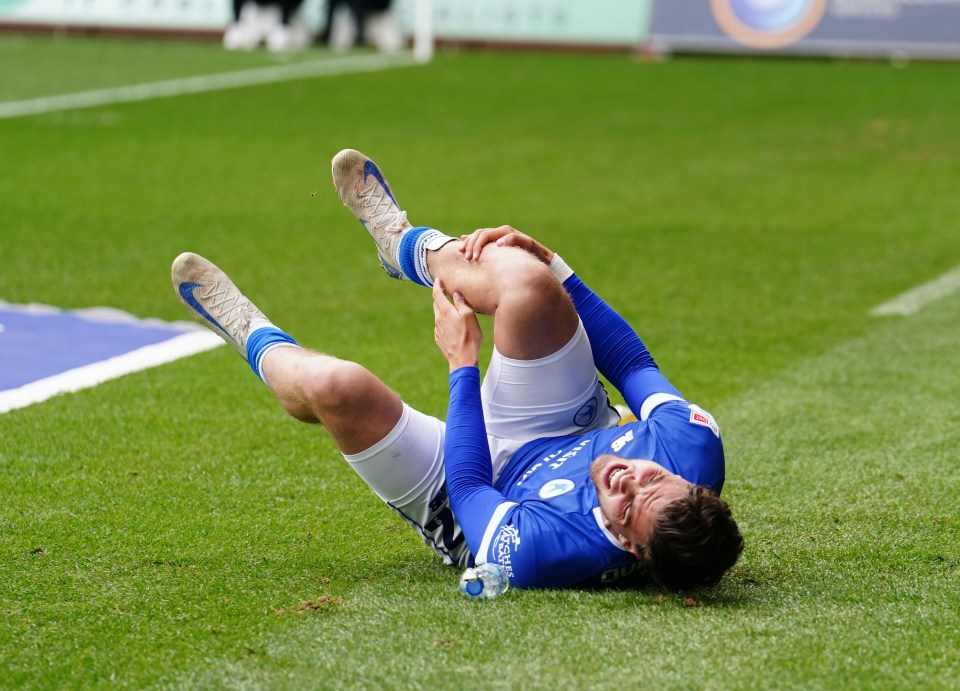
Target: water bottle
484,582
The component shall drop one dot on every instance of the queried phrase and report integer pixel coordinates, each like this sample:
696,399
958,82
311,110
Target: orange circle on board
762,39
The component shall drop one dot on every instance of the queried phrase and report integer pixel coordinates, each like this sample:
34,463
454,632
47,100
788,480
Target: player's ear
629,546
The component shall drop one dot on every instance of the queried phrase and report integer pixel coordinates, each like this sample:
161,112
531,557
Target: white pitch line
915,299
87,376
211,82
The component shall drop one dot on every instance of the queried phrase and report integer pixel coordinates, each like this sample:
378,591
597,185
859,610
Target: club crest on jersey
587,413
555,488
699,416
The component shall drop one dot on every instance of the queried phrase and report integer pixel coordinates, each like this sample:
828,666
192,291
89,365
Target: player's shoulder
686,416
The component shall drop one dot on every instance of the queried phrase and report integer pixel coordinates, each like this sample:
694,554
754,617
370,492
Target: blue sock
260,342
413,252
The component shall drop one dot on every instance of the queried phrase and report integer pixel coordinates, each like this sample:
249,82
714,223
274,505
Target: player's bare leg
357,409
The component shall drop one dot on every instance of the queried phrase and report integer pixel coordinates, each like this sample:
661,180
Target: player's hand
456,329
504,236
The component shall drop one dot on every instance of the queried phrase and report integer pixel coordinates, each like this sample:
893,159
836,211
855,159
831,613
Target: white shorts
558,395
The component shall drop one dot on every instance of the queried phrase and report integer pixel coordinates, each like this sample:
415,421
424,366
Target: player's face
632,493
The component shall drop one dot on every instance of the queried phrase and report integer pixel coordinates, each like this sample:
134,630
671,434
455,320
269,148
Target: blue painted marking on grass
45,351
34,346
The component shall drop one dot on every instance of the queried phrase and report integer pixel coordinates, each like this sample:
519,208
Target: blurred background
896,28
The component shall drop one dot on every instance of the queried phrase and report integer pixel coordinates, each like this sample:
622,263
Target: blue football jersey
541,519
549,531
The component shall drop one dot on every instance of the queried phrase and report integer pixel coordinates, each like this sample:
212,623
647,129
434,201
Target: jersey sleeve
473,499
618,352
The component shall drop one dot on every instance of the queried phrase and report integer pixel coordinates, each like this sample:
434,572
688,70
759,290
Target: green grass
166,528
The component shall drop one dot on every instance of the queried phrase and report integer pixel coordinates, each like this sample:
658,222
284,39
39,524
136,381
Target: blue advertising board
843,28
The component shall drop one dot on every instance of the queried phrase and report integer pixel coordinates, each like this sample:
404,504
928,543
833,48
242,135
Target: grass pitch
174,529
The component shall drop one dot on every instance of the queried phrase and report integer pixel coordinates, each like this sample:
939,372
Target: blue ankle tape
261,341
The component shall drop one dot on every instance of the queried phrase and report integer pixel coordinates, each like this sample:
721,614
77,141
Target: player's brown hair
693,542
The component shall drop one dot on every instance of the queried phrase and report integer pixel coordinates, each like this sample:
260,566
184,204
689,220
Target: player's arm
618,352
477,506
467,465
496,529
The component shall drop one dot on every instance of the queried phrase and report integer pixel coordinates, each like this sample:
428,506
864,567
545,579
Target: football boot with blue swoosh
212,298
364,190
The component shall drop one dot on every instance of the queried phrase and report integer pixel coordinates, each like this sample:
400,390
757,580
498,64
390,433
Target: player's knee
334,385
522,274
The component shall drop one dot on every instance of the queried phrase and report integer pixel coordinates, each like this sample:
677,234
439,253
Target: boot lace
382,209
232,309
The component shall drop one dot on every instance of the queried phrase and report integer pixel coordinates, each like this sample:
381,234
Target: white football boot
238,37
252,29
212,298
289,38
365,191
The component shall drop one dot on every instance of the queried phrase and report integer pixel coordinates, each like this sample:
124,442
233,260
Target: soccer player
530,470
